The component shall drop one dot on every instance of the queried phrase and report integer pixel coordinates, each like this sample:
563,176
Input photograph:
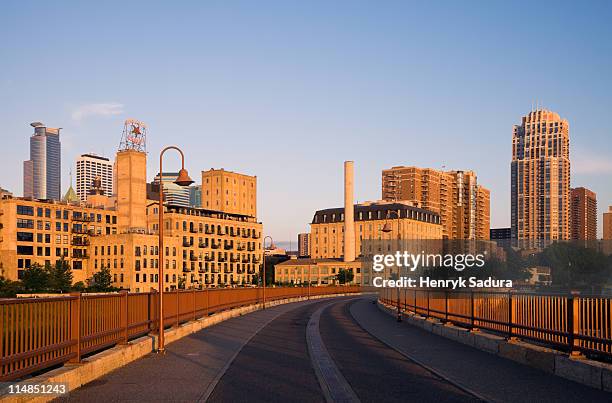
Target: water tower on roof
134,136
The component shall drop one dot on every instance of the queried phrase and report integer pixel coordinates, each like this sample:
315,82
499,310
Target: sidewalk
188,368
492,377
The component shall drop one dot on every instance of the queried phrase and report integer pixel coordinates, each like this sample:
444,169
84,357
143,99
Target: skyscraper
607,224
173,194
42,172
90,167
462,204
540,177
583,216
195,196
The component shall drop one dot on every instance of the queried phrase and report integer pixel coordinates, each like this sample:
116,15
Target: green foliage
574,266
9,288
345,276
181,283
101,281
35,279
59,276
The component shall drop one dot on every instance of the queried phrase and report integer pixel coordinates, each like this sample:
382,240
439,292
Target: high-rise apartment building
304,244
90,167
42,172
463,205
174,194
583,214
607,224
229,192
540,177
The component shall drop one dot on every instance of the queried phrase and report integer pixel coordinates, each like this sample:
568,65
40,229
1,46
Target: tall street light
263,245
386,229
182,180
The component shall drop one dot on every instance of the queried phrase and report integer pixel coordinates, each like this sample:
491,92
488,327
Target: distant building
463,205
42,172
90,167
5,193
583,214
229,192
195,196
607,224
540,177
304,244
173,194
501,234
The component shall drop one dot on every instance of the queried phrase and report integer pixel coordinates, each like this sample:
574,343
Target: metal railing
38,333
572,323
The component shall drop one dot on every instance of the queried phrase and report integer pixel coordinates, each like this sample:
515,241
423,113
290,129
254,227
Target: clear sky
287,90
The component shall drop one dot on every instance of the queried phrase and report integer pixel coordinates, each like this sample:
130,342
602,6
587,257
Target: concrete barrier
98,365
595,374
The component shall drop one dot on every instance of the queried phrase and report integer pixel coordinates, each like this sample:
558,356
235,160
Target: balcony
80,255
215,245
251,248
209,258
256,236
215,270
228,245
209,231
234,259
228,270
256,259
245,235
221,232
186,269
245,259
80,242
193,230
193,258
202,270
187,244
203,245
82,218
251,271
222,259
80,231
241,247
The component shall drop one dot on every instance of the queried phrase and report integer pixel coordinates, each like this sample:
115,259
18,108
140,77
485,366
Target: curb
591,373
100,364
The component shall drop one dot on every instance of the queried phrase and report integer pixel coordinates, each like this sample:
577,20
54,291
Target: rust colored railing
572,323
38,333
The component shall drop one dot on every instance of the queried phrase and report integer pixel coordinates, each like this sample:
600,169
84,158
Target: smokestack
349,219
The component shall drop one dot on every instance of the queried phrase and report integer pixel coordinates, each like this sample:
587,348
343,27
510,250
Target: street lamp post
263,245
182,180
386,229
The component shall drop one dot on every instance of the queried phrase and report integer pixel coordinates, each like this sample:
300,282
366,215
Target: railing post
153,315
573,324
194,304
177,309
445,306
124,316
75,326
510,315
472,309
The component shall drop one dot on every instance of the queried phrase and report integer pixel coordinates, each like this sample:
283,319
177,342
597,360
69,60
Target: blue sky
287,90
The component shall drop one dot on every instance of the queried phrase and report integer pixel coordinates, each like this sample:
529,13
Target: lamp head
386,227
183,178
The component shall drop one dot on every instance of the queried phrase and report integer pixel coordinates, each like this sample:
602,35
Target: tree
345,276
9,288
181,283
101,281
35,279
60,276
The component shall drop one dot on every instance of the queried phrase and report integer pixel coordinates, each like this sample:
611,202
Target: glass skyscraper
42,172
